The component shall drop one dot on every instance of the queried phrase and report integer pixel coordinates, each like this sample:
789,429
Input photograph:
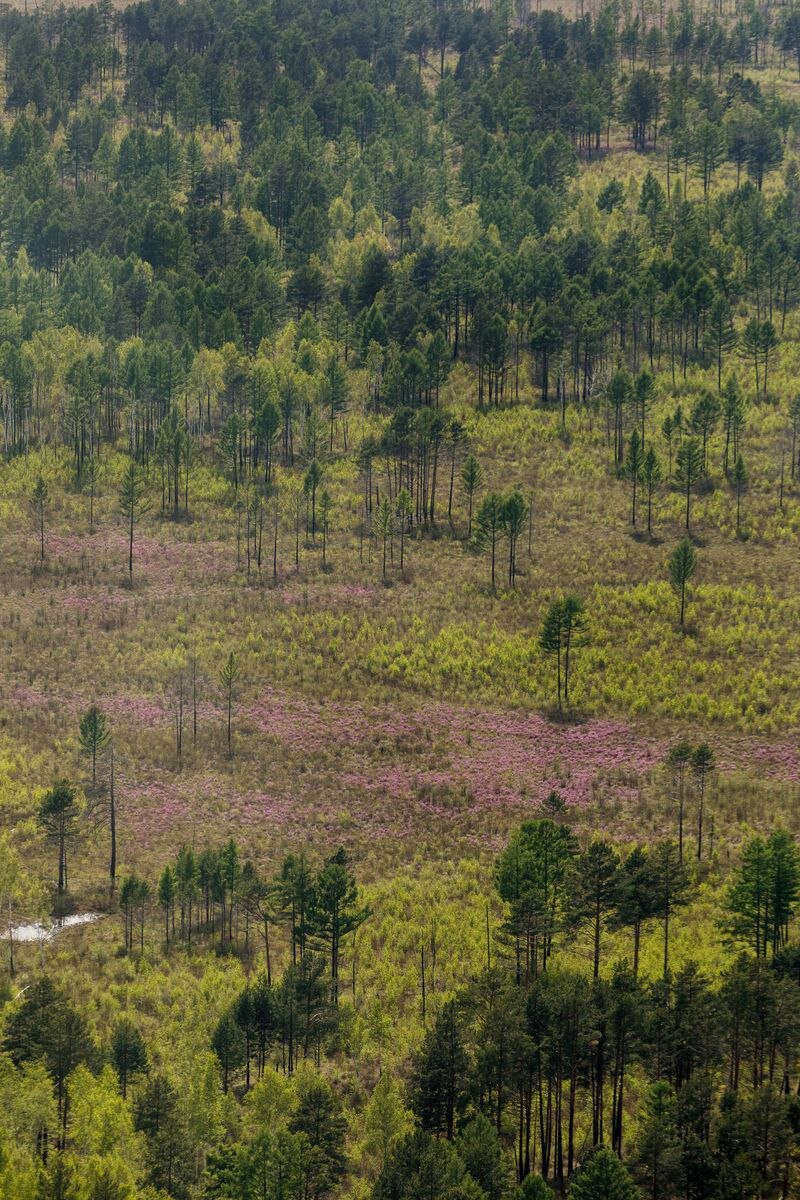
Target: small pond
45,932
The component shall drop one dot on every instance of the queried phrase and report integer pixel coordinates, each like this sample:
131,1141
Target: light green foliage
394,298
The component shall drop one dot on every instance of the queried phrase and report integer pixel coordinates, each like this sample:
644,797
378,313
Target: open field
399,602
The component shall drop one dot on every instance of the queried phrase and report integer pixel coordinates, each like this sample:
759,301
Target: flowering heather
156,561
339,772
27,697
93,603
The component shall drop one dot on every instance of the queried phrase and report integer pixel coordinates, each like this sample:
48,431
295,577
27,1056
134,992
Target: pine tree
335,392
128,1052
603,1177
320,1120
748,897
704,417
702,764
533,876
312,481
513,516
94,734
166,899
681,567
689,469
678,761
563,630
594,890
490,526
439,1081
720,334
229,677
471,480
133,504
636,897
383,529
734,413
740,483
671,887
169,1153
40,497
658,1146
228,1043
634,466
762,897
58,817
644,390
651,476
336,911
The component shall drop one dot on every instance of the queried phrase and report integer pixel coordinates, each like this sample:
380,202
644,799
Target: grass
409,719
379,712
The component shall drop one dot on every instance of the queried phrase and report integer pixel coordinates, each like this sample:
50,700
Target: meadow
331,350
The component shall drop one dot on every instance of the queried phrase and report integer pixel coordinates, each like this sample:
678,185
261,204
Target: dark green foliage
636,896
479,1148
604,1177
47,1027
128,1052
594,890
533,875
489,523
254,217
438,1087
762,896
424,1166
671,886
168,1148
563,631
320,1119
58,817
40,497
611,197
229,1045
681,566
336,912
93,735
689,468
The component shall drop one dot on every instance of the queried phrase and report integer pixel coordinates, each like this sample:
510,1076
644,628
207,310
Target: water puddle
41,931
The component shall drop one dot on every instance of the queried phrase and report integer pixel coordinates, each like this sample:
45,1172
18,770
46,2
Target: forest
399,516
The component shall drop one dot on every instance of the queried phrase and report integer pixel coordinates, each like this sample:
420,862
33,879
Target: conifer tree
702,764
689,469
94,734
651,476
594,890
229,677
604,1177
740,483
40,497
336,911
678,762
490,526
133,504
681,566
471,480
671,887
128,1052
58,817
634,467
